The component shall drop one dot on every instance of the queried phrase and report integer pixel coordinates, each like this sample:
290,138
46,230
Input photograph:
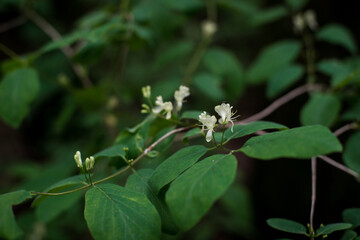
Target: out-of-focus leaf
282,80
296,5
116,150
286,225
341,74
8,226
242,7
272,59
320,109
352,152
183,5
301,142
349,235
339,35
191,114
210,86
269,15
352,215
17,90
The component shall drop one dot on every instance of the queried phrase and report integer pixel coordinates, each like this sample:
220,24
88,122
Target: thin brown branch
276,104
344,129
147,150
13,23
340,166
313,193
55,36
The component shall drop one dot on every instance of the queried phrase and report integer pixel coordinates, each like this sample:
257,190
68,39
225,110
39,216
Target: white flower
208,28
163,106
179,96
208,122
224,110
77,158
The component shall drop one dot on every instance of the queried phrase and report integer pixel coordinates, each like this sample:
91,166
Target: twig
344,128
55,36
147,150
313,193
339,166
276,104
13,23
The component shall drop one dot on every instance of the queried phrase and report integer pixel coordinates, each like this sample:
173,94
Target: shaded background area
65,116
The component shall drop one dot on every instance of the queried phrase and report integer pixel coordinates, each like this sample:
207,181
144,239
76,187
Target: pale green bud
146,91
89,163
77,158
208,28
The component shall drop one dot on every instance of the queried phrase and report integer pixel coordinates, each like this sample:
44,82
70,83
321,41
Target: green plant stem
147,150
211,10
313,194
310,56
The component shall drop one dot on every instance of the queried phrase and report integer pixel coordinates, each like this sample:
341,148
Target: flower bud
146,91
77,158
208,28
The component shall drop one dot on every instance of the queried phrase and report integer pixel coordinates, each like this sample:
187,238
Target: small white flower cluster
89,162
209,122
165,107
301,20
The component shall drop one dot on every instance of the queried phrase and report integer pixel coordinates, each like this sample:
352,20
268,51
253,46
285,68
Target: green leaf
340,73
114,151
249,128
269,15
191,114
112,211
192,194
265,65
301,142
330,228
71,182
18,89
139,182
352,152
286,225
191,133
173,166
349,235
51,207
339,35
225,64
296,5
283,79
209,85
322,108
183,5
8,227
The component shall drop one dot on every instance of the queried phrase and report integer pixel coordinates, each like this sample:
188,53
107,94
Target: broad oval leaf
139,182
283,79
114,212
8,227
249,128
349,235
301,142
330,228
175,165
265,66
296,4
191,114
352,215
116,150
269,15
192,194
286,225
320,109
17,90
339,35
352,152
